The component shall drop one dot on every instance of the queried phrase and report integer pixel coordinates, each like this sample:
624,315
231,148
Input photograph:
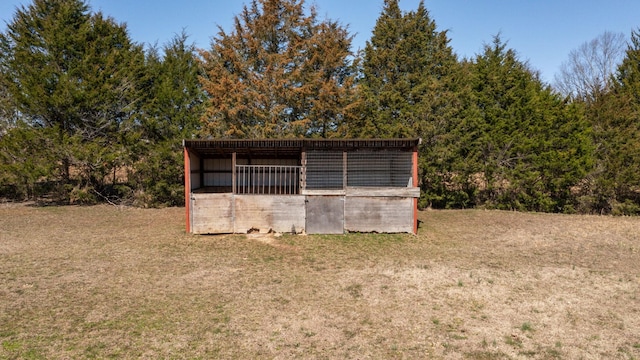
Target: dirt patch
101,281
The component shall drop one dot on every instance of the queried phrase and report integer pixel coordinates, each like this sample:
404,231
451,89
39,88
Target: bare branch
586,75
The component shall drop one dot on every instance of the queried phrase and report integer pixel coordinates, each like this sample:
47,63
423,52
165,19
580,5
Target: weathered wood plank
323,192
212,213
325,215
281,213
407,192
381,214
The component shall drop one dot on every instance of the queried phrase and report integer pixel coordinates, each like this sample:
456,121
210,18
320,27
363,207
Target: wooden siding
410,192
227,213
211,213
280,213
323,192
379,214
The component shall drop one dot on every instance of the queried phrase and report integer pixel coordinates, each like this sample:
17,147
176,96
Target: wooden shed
316,186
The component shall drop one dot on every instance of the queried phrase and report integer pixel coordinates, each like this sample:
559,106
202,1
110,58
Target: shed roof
284,146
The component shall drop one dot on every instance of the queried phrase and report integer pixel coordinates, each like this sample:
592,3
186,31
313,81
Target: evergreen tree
171,111
411,86
73,74
526,147
8,114
279,73
382,80
615,182
174,99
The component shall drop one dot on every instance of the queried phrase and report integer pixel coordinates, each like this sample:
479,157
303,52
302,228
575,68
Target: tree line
88,115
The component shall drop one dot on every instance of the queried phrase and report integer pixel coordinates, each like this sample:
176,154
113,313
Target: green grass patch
526,326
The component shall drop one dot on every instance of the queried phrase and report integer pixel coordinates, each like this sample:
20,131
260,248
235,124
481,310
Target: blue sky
543,32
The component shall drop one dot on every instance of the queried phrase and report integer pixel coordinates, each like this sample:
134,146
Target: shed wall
325,214
211,213
379,214
281,213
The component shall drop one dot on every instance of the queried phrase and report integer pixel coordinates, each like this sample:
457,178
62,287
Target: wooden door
324,214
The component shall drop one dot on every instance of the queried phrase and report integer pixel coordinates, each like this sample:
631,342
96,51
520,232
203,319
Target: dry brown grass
100,282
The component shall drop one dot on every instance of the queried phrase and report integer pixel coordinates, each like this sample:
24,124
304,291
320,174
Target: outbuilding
313,186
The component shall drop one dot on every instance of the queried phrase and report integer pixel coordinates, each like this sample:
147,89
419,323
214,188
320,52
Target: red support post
187,188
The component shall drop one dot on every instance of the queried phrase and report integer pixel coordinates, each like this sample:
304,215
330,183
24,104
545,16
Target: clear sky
543,32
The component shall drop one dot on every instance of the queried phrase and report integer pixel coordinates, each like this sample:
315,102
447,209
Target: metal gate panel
325,214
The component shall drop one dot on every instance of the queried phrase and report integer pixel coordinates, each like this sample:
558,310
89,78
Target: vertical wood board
325,215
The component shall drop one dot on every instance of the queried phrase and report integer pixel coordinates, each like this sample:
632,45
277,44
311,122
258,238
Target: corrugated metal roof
295,145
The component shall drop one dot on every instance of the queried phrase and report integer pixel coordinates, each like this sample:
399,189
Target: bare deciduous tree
586,75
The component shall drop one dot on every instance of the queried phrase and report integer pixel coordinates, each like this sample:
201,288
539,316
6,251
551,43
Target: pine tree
173,100
407,71
526,147
279,73
74,73
411,86
382,80
617,137
171,111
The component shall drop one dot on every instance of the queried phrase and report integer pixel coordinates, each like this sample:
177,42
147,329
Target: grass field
108,282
